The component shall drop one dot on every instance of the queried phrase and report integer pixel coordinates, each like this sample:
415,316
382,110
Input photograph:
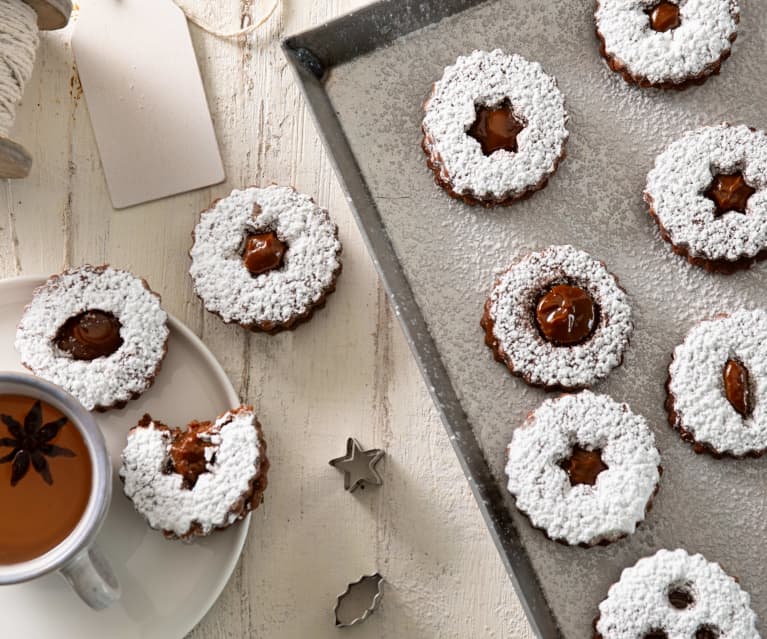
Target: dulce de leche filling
583,466
263,252
565,314
729,193
664,16
187,452
737,387
496,128
89,335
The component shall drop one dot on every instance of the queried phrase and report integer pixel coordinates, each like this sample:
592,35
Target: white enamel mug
77,557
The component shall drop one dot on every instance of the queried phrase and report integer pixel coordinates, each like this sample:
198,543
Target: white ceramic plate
167,585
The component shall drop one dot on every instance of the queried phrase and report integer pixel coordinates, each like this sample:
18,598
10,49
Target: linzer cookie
584,469
674,594
708,194
96,331
716,394
265,258
558,319
666,44
188,483
494,128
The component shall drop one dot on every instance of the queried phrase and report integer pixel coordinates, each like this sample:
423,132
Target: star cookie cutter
358,465
359,600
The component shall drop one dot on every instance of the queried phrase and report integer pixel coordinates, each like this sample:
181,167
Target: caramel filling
263,252
566,315
664,16
583,466
187,452
680,597
496,128
737,387
729,193
90,335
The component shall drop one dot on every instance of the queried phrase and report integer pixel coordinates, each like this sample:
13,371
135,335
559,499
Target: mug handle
91,577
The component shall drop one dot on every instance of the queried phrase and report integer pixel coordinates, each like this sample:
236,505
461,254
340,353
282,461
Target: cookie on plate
265,258
668,44
189,482
715,390
675,594
558,319
494,128
96,331
708,194
584,469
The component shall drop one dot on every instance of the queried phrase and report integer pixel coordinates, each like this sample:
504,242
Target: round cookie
667,44
708,194
494,128
265,258
584,469
558,319
96,331
188,483
674,594
717,389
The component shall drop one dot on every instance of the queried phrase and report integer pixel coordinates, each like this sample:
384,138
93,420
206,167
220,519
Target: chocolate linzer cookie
666,44
96,331
708,194
265,258
494,128
558,319
584,469
715,393
188,483
675,594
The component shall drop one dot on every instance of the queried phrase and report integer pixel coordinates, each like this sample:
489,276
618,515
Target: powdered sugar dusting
583,514
104,381
697,382
310,264
704,34
234,460
639,602
683,172
487,79
538,360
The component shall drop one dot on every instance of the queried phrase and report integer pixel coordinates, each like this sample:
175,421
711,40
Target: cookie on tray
708,194
96,331
715,393
558,319
584,469
265,258
189,482
494,128
667,44
674,594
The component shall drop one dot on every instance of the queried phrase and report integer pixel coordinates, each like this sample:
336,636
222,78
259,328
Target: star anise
31,444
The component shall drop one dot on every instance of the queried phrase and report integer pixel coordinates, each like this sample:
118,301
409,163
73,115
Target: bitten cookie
494,128
716,396
188,483
584,469
675,594
558,319
96,331
265,258
708,194
666,44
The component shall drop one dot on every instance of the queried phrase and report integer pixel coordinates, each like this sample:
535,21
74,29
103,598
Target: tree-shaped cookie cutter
359,600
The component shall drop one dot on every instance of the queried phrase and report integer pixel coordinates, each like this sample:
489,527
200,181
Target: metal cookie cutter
359,600
358,466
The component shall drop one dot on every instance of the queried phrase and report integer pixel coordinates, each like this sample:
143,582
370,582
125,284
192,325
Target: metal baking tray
365,77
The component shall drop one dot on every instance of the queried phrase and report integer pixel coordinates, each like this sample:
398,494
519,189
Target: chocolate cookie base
633,78
675,421
725,267
434,162
250,499
116,405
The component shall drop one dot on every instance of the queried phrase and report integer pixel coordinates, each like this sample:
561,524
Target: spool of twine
18,43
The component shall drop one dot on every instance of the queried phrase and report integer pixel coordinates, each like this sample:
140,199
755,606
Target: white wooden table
347,372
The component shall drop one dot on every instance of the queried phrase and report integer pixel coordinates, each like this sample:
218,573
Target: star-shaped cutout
358,465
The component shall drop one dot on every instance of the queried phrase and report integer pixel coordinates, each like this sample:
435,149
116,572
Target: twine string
18,43
197,20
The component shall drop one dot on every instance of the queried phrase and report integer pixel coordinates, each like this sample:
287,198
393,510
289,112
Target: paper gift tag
146,100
